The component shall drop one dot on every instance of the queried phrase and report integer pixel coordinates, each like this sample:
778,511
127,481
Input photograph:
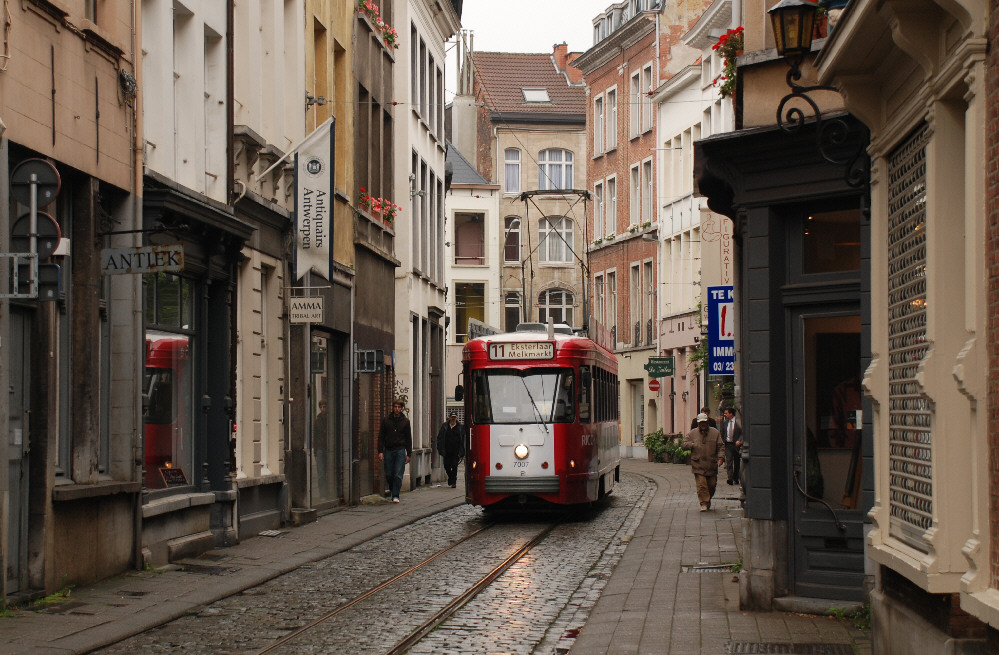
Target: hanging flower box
379,208
388,33
729,46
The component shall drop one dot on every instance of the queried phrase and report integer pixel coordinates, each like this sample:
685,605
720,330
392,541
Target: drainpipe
231,531
230,85
656,72
138,433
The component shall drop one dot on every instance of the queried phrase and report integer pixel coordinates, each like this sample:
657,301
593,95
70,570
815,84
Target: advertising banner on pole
721,330
314,202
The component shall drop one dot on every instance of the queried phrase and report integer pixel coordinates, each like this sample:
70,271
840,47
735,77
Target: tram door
20,383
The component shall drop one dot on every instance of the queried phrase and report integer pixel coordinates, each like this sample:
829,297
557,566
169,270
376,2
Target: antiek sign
143,259
306,310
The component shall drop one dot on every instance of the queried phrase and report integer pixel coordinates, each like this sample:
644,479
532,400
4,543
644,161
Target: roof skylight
535,95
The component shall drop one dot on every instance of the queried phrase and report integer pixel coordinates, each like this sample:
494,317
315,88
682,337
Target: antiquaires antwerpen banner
314,202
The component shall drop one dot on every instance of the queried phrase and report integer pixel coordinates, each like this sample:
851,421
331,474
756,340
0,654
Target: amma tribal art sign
305,310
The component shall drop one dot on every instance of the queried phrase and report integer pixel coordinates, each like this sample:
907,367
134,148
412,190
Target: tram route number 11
522,350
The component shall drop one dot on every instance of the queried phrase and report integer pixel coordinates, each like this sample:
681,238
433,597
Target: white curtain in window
511,170
554,169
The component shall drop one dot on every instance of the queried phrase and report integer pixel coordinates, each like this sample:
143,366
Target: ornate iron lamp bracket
831,134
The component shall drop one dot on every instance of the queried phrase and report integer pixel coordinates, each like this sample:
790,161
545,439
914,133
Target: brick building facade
635,51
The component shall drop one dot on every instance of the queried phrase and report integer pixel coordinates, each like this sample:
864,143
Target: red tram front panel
532,431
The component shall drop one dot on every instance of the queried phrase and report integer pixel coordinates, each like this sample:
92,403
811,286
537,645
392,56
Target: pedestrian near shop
320,446
451,446
395,447
732,435
707,453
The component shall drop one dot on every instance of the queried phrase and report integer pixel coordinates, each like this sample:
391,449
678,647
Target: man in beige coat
707,454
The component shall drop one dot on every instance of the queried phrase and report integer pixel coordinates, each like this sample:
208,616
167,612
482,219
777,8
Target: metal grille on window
909,417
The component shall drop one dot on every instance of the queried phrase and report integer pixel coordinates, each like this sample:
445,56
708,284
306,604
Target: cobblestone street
525,610
645,574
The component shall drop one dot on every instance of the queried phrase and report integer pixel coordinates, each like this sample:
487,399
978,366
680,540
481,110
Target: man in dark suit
732,436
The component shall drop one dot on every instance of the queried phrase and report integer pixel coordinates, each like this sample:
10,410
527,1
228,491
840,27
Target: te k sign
721,330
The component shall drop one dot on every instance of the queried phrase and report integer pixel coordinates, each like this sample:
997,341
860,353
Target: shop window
469,303
832,242
168,387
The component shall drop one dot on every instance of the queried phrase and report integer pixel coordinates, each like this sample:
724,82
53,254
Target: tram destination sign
522,350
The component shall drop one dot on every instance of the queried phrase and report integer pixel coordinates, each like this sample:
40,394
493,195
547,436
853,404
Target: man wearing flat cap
707,454
451,446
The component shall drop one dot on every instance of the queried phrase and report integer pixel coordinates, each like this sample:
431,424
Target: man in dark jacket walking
395,446
451,446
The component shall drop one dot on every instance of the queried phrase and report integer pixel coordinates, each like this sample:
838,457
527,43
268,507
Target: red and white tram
542,415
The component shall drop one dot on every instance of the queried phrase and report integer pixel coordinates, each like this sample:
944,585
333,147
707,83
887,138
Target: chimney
561,49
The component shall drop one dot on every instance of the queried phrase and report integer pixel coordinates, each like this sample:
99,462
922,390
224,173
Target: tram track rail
439,617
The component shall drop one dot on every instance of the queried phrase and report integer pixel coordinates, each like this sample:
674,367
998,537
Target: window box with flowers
381,208
610,237
729,47
388,33
633,228
597,242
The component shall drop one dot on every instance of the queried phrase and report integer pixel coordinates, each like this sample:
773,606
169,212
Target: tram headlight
521,451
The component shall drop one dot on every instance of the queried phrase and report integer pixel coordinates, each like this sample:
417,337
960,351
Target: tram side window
564,400
599,392
615,398
605,395
598,395
481,411
585,382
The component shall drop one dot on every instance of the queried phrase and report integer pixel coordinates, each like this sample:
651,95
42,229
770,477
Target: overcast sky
527,26
531,25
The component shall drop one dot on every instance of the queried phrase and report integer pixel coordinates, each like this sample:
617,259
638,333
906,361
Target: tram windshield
532,396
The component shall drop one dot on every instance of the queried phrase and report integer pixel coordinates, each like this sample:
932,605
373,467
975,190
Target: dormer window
535,95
